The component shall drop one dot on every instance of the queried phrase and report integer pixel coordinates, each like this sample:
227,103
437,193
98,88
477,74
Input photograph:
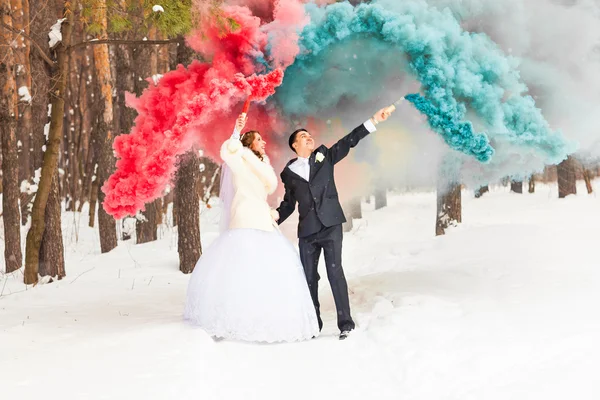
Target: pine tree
567,179
50,163
8,123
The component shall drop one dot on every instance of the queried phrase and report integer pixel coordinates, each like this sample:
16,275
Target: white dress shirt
302,167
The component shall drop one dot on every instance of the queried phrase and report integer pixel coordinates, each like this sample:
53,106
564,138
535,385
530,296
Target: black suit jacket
318,202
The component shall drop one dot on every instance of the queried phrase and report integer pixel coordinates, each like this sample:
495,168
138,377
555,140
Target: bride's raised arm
231,150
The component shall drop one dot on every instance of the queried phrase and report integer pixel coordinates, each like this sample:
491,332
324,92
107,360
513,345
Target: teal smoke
351,52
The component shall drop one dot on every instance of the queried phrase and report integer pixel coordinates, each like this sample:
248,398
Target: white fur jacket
253,181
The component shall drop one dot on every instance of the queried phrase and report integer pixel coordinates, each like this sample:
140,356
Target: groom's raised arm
338,151
288,204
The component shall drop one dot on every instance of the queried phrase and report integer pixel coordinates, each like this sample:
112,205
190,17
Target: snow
47,131
24,94
157,8
502,307
156,78
55,35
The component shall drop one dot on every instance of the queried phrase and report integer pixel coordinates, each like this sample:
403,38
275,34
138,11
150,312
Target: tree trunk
567,183
58,94
175,211
24,122
380,198
587,177
148,224
449,207
52,260
123,115
93,204
354,211
516,186
68,155
11,216
106,160
184,55
355,208
532,184
188,204
145,225
483,189
78,100
86,143
43,17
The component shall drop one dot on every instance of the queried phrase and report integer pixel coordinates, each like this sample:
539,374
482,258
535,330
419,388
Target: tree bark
86,142
106,161
355,208
449,207
44,16
532,184
380,198
52,260
93,204
184,55
69,188
516,186
567,183
354,211
124,116
587,177
147,226
24,122
483,189
58,94
175,211
11,216
106,224
188,204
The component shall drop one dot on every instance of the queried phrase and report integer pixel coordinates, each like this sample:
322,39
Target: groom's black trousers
330,241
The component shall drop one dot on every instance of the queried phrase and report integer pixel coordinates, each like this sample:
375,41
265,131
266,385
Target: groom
309,181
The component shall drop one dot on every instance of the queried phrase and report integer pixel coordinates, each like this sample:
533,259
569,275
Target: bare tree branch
119,41
49,61
32,41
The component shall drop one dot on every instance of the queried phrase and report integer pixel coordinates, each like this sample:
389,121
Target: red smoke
197,106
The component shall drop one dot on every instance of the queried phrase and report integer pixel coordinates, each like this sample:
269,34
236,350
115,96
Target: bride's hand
240,122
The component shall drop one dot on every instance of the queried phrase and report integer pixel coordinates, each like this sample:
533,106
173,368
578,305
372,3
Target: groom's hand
382,114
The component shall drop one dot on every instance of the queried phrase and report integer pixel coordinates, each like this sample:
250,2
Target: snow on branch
55,35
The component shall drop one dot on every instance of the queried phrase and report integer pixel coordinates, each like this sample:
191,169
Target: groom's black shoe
344,335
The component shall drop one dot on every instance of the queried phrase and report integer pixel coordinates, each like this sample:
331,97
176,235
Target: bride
249,284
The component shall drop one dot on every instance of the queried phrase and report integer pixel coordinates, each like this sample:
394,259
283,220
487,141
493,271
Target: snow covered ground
503,307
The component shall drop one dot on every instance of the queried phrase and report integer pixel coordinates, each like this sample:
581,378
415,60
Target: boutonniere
319,157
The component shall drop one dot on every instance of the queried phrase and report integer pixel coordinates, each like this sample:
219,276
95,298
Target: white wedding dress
249,284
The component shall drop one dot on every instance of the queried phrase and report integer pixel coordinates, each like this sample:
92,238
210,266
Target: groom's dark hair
292,139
